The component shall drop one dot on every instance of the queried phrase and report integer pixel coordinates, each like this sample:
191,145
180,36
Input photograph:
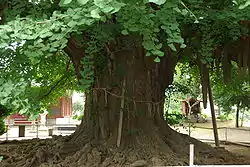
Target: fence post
7,135
191,154
226,134
37,130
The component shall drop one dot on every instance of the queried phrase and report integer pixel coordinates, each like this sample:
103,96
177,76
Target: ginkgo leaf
158,2
171,45
95,13
65,2
82,2
125,32
244,5
157,60
183,45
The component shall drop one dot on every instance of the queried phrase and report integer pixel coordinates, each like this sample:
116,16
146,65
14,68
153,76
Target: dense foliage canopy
123,54
35,36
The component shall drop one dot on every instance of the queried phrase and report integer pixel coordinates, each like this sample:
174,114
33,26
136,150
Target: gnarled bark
131,88
144,92
125,109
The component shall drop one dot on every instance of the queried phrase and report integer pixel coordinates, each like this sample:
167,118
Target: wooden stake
191,155
216,138
37,131
121,115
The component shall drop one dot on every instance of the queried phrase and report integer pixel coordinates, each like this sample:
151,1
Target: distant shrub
225,117
174,118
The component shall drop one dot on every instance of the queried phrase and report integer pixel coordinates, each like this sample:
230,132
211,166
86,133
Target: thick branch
76,53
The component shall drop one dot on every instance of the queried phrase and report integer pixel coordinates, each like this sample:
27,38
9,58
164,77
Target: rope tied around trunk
127,98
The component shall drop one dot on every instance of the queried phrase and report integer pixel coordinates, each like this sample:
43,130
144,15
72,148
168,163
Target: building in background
61,113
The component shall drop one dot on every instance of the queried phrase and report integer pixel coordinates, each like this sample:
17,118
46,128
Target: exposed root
153,149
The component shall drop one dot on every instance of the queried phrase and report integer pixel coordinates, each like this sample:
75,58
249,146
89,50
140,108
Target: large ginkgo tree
122,53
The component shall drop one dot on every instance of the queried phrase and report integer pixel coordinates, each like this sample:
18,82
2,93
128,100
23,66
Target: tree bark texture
125,109
143,97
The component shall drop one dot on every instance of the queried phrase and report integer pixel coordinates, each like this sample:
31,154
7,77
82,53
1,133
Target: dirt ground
26,152
238,150
50,153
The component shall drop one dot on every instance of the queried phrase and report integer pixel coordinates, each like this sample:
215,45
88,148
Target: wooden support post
216,138
7,133
237,115
37,129
8,127
191,155
121,116
226,134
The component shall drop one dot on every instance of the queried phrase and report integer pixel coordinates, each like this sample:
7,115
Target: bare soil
57,152
241,151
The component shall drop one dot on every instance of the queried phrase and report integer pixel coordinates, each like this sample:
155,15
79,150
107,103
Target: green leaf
107,9
65,2
47,34
3,45
125,32
183,45
117,6
158,2
95,13
23,111
177,9
157,60
171,45
1,158
148,54
158,53
184,12
244,5
72,23
82,2
148,44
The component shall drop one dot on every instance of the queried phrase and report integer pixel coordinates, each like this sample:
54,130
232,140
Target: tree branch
76,53
57,82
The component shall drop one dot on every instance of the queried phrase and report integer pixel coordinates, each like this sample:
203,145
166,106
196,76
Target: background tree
186,84
233,94
78,108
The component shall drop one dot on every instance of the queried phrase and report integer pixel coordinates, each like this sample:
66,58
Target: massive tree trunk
123,120
132,85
